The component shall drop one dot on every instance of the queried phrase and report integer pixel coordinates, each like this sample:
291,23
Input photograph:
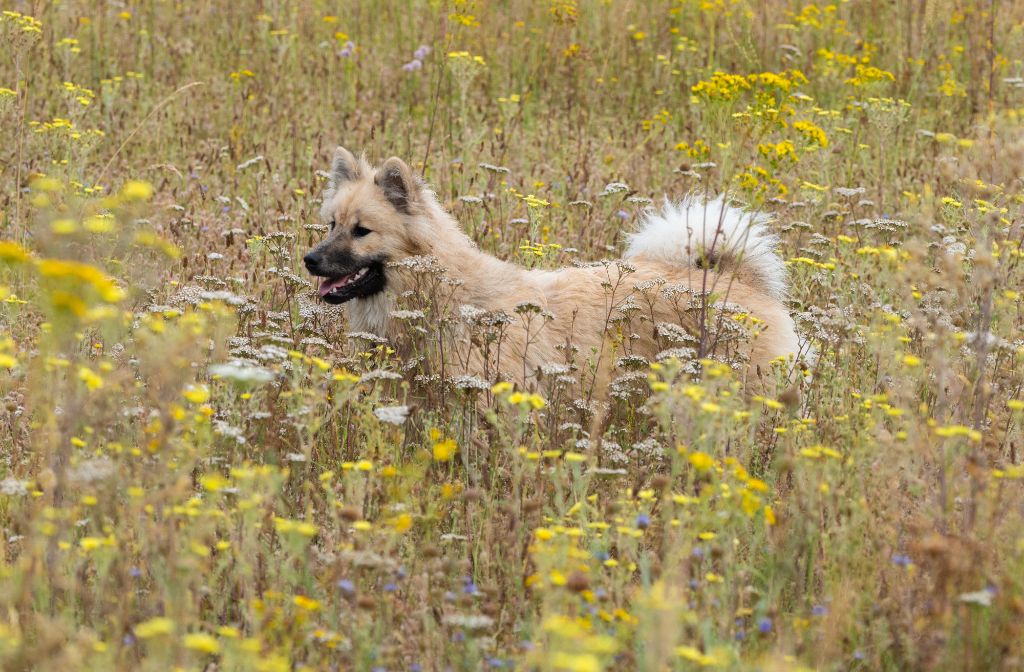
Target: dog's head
371,214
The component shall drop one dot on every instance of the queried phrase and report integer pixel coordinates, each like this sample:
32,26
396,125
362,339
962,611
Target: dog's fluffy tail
712,234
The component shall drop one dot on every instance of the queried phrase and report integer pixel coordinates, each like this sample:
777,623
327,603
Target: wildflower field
201,470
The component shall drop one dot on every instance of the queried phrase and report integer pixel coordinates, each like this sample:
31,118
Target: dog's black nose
312,261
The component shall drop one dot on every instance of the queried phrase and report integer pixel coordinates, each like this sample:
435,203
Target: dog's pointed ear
344,167
400,187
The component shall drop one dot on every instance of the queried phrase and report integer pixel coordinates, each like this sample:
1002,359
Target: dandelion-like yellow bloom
202,642
154,627
444,451
136,190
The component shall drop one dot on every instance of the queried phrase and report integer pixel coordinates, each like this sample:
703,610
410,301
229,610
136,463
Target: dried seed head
577,582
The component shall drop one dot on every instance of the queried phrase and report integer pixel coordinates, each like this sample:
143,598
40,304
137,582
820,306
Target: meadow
201,470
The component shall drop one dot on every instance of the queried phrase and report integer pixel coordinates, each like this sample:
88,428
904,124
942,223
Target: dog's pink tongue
327,285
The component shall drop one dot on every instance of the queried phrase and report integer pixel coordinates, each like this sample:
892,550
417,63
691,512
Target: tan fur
575,296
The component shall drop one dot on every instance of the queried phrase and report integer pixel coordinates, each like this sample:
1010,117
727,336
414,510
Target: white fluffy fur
732,238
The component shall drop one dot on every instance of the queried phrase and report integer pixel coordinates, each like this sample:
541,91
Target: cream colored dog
700,279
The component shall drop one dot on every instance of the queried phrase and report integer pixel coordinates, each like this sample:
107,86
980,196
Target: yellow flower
63,227
12,252
91,379
213,482
74,270
812,133
202,642
958,430
91,543
136,190
534,400
46,184
701,461
534,202
99,224
866,74
283,525
575,662
402,523
444,450
303,602
694,655
197,394
154,627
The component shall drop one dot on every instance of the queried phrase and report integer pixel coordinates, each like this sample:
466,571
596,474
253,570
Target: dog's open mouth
360,283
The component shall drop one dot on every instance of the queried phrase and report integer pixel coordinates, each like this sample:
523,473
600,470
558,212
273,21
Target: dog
699,279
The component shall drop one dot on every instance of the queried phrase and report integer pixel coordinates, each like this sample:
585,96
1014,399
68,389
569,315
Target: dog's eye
359,231
333,224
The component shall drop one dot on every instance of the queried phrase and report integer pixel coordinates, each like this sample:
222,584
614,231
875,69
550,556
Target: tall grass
201,471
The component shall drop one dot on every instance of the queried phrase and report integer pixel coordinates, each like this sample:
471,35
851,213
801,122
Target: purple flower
643,521
346,586
901,560
764,626
390,587
421,52
135,572
347,50
622,214
819,610
413,65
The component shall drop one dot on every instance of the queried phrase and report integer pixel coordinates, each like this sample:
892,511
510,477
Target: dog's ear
399,185
344,167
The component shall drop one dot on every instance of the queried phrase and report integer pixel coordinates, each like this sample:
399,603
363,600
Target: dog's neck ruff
370,314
